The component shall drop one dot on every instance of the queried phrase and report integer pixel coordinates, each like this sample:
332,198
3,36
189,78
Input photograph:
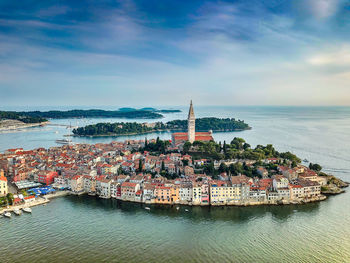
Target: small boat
7,214
63,141
27,209
147,208
186,210
177,208
17,212
305,160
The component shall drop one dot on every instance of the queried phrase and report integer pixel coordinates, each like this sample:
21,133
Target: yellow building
3,184
166,194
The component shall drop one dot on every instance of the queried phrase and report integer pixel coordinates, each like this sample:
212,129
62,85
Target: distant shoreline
147,132
13,125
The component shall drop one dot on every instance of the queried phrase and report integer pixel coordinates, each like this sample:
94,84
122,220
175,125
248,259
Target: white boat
177,208
7,214
27,209
147,208
17,212
186,210
63,141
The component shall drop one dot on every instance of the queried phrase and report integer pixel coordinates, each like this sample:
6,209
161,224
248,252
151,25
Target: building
128,191
3,185
77,183
191,125
47,177
179,138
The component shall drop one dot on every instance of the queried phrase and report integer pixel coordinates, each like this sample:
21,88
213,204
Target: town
190,169
118,170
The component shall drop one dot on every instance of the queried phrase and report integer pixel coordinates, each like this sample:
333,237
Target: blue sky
129,53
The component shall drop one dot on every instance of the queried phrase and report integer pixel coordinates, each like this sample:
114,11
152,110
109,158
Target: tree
187,147
163,166
222,168
140,166
315,166
10,198
225,147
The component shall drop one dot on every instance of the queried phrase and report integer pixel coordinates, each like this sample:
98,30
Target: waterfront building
105,188
128,191
148,193
205,194
257,194
89,184
296,191
311,189
162,195
196,194
115,187
3,184
77,184
283,193
185,192
47,177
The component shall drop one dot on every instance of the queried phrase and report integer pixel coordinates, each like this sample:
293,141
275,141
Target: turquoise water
86,229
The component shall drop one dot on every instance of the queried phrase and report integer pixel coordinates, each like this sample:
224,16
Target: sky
162,52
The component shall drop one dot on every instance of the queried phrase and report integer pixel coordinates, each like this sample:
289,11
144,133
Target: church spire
191,124
191,111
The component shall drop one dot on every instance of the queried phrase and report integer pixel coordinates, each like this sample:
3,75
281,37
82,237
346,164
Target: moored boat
27,209
17,212
7,214
147,208
63,141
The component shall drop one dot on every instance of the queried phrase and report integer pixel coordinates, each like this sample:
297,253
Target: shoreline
153,131
17,127
41,200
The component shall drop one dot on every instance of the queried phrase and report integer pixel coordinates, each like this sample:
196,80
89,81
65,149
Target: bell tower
191,125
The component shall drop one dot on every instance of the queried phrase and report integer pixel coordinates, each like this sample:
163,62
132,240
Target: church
179,138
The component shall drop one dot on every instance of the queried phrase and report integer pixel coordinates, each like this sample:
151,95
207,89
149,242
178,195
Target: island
155,172
132,128
14,120
42,116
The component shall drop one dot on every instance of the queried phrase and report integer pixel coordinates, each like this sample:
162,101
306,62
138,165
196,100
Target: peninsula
156,172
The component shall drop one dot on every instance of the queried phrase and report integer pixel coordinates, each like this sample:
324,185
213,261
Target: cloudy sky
161,52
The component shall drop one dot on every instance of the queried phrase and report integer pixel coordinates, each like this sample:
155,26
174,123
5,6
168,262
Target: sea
88,229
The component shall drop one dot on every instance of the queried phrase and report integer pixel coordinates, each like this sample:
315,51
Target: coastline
19,126
38,201
153,131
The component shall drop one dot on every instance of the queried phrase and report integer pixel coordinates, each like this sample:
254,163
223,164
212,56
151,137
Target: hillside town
118,170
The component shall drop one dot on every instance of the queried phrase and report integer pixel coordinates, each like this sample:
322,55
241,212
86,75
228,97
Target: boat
147,208
63,141
17,212
177,208
7,214
186,210
27,209
305,160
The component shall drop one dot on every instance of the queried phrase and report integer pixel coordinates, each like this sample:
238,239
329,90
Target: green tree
315,166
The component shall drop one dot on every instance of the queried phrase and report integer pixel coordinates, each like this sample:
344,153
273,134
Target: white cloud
322,9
